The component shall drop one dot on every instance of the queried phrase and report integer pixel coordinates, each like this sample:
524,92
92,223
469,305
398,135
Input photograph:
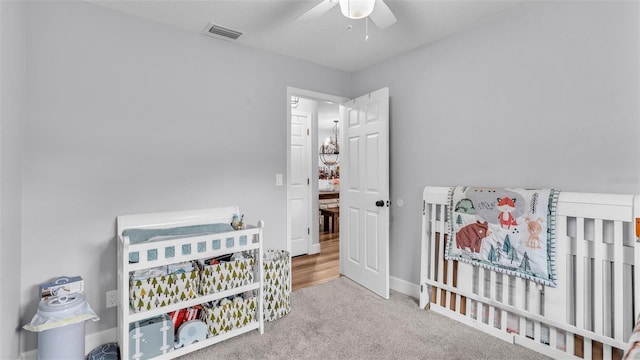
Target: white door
299,188
364,191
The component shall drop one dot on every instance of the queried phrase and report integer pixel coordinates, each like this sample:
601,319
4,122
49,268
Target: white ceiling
269,25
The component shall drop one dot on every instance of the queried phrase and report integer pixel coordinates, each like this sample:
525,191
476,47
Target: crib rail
589,315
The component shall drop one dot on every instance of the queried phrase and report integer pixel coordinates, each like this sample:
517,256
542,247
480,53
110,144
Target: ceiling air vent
219,31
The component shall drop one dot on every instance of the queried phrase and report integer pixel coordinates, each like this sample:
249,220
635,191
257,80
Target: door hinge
308,231
421,289
308,182
307,132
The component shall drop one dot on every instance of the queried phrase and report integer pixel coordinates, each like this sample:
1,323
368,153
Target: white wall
129,116
12,117
548,97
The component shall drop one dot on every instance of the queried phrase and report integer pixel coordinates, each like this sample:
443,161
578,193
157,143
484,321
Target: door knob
380,203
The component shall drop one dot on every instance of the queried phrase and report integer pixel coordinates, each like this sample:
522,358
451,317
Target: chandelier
330,150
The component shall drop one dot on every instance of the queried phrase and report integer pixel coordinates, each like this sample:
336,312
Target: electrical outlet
112,298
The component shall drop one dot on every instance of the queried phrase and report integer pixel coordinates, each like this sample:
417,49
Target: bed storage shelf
187,237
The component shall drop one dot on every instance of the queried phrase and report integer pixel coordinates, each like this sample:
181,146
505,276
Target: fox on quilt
505,229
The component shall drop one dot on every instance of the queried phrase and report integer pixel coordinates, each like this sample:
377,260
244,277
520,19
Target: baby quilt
505,229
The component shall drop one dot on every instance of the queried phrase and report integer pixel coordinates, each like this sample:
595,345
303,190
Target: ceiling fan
376,10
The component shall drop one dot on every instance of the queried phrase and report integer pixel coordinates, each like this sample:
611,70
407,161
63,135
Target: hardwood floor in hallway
309,270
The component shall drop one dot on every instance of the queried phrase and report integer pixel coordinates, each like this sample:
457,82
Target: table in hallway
334,214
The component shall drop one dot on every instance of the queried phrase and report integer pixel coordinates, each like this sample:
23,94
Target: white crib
589,315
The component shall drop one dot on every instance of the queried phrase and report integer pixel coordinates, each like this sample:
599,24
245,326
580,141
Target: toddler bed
187,262
590,310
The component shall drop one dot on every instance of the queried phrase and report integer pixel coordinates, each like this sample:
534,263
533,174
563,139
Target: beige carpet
342,320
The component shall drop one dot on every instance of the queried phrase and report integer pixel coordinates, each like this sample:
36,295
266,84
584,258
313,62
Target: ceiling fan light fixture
356,9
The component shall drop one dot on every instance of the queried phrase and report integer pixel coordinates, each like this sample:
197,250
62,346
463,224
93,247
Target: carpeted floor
342,320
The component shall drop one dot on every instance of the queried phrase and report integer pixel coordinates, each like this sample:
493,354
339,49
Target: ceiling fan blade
382,15
318,10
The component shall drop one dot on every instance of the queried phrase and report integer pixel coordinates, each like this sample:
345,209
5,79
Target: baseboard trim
91,341
404,287
315,249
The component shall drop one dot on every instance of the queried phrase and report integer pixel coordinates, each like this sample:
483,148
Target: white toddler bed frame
589,315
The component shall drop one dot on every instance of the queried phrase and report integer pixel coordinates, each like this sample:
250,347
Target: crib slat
446,273
493,290
598,251
560,295
636,262
450,273
570,343
628,311
469,286
608,295
534,307
537,332
425,258
504,315
438,277
618,277
521,303
432,242
435,248
534,298
580,273
450,296
465,271
472,310
607,351
480,291
636,266
587,348
553,337
468,272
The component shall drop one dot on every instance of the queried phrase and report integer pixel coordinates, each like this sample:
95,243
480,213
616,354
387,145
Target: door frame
314,244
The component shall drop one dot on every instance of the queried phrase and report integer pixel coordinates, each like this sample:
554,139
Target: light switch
279,180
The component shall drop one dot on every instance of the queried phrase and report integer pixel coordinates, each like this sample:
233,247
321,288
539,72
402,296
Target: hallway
309,270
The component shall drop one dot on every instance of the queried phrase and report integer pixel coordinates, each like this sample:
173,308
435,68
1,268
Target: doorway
318,259
364,183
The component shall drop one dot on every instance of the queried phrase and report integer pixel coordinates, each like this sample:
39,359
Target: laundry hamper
277,291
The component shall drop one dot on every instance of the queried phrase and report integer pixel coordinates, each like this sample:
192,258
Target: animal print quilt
504,229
